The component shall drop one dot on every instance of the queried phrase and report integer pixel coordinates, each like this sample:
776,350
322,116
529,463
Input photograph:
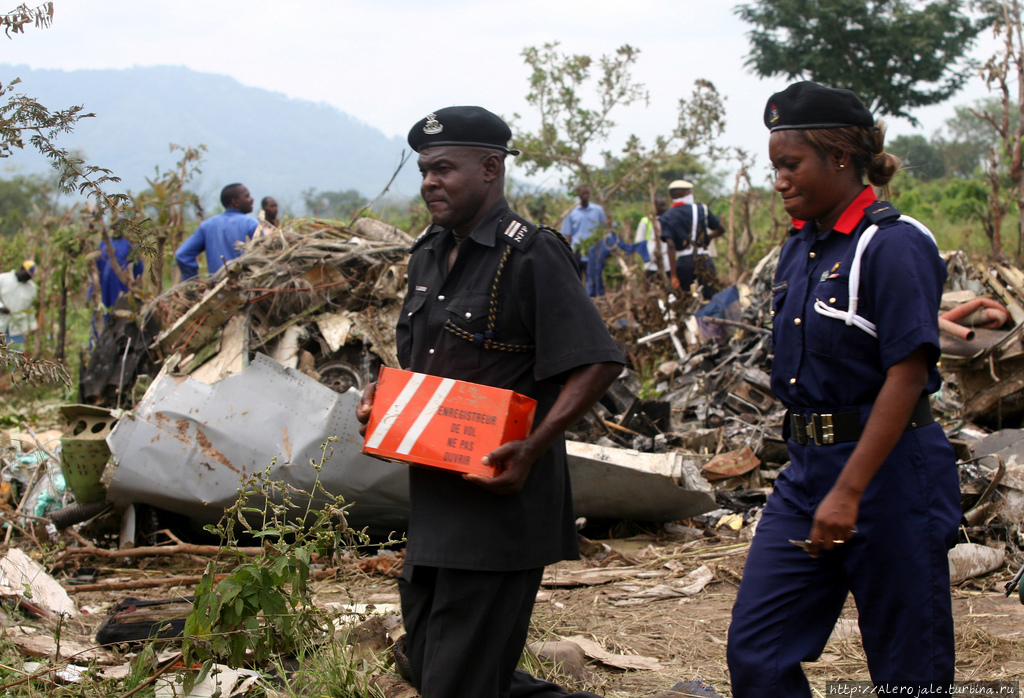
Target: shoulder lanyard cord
850,317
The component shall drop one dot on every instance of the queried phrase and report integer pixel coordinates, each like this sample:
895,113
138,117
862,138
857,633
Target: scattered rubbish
619,661
611,483
66,673
134,620
84,451
391,686
46,646
732,464
220,681
185,447
556,577
566,657
692,689
25,580
967,560
692,583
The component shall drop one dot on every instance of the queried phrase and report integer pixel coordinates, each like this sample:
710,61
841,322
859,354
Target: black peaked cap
808,105
473,126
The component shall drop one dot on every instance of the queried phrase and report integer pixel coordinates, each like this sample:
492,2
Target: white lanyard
850,316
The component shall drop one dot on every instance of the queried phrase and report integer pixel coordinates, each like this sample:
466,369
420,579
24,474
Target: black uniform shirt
541,304
677,225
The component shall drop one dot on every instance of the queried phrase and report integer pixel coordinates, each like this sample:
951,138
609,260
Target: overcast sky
389,62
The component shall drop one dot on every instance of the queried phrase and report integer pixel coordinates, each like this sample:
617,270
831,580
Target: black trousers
700,268
685,271
466,633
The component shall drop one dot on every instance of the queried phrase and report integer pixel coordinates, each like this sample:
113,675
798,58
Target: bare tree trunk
730,235
62,318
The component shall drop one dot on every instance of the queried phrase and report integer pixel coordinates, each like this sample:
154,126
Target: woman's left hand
835,520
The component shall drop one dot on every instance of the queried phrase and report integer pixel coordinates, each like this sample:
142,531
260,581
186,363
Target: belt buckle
821,429
799,428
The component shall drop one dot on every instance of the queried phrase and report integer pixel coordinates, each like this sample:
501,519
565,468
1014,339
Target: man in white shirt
17,292
648,230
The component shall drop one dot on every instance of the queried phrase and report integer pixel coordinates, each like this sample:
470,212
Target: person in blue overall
871,496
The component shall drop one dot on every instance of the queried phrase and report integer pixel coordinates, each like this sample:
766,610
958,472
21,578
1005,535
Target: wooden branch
140,584
182,580
158,550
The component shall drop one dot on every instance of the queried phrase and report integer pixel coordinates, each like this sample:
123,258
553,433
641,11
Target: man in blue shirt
583,219
111,286
220,235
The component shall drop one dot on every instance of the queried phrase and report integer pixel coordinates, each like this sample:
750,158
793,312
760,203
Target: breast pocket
829,336
467,320
404,334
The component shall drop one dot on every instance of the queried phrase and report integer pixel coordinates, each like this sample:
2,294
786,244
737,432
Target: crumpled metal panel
618,483
187,445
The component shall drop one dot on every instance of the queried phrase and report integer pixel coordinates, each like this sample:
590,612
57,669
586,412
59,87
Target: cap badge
433,125
775,114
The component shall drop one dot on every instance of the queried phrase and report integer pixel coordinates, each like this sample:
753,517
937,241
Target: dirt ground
686,635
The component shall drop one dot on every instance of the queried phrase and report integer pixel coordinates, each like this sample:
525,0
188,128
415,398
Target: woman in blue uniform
870,497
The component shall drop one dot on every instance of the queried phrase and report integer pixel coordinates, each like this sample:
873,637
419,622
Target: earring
841,166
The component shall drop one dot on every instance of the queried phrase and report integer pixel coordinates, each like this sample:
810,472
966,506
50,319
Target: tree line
967,181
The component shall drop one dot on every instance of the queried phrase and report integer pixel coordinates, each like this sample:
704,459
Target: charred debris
321,299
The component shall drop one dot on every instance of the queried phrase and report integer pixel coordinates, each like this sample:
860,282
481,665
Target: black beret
474,126
808,105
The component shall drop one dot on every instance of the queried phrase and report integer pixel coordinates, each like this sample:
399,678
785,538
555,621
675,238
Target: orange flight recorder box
443,423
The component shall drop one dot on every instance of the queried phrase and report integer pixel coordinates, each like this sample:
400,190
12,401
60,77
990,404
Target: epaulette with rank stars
881,212
428,232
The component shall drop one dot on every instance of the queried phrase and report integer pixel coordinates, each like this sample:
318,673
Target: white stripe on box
397,407
425,416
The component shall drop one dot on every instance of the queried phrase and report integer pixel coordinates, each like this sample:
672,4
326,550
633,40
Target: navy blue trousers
895,566
466,633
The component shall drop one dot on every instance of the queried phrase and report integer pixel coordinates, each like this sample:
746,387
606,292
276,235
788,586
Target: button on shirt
541,303
218,237
581,222
821,362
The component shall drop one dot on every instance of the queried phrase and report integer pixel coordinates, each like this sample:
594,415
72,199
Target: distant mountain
277,146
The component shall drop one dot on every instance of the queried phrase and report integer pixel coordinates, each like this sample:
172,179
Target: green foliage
24,121
921,159
893,56
955,210
571,125
263,607
334,205
972,136
164,204
333,670
1003,72
21,197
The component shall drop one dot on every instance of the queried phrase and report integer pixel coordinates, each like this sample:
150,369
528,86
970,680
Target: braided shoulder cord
487,339
553,231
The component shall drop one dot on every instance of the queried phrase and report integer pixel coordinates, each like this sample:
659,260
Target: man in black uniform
492,299
688,228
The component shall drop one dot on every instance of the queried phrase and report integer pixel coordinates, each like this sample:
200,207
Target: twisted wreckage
258,365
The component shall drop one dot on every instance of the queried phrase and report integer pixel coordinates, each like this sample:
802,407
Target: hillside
276,145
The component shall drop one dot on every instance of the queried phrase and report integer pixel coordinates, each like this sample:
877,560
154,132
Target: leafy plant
332,670
263,607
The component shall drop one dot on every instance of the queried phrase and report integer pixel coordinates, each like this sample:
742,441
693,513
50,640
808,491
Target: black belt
825,429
